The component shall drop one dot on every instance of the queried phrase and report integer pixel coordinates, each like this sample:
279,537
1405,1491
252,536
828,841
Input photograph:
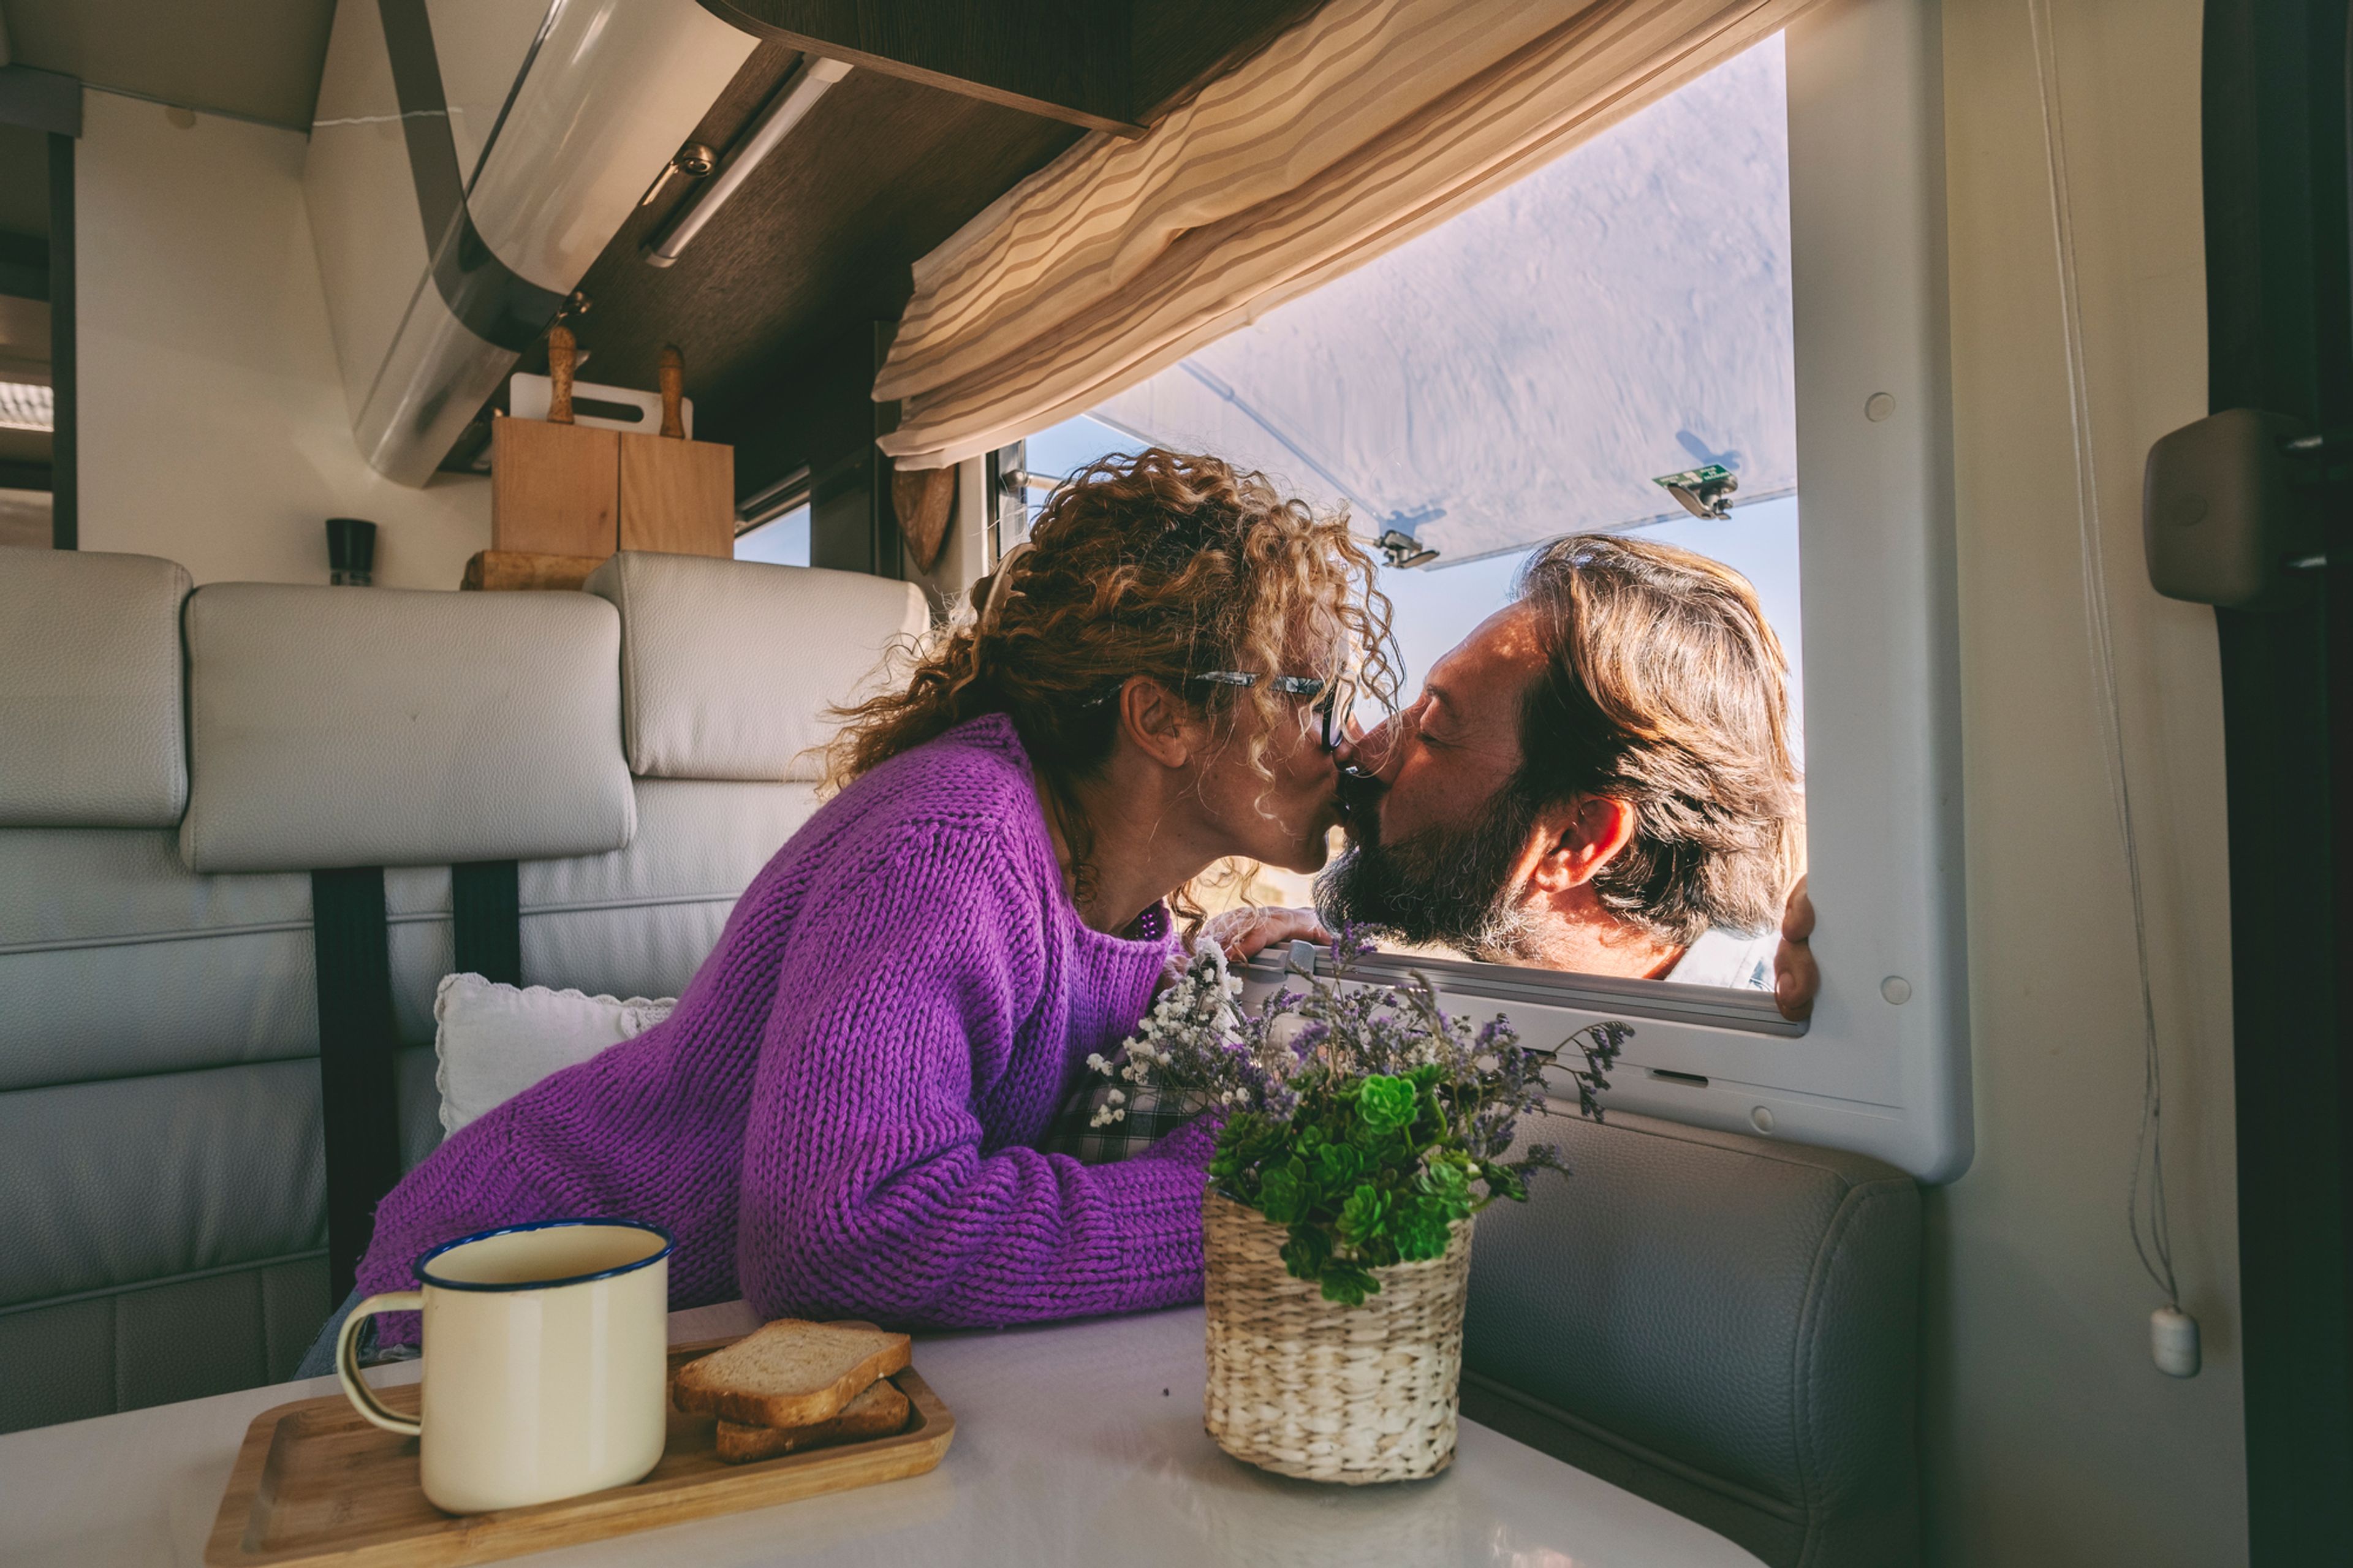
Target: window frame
1883,1068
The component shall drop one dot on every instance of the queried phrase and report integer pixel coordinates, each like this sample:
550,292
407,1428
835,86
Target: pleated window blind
1366,124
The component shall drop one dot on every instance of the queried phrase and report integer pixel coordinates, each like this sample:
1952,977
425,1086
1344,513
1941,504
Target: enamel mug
547,1362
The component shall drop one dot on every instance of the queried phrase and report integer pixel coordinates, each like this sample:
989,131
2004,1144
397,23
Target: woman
838,1119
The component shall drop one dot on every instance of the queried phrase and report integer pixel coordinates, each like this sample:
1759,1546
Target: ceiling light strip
785,110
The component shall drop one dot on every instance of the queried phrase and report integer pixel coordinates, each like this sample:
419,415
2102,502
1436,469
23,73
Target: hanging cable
2145,1204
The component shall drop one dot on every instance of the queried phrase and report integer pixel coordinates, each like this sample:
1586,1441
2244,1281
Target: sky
784,541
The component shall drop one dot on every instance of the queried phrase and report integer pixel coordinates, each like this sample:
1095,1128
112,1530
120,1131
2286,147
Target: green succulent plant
1364,1174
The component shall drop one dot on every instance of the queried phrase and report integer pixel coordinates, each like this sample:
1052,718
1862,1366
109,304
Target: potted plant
1365,1127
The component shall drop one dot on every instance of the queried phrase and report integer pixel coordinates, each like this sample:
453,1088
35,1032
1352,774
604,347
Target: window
780,540
1528,370
1533,367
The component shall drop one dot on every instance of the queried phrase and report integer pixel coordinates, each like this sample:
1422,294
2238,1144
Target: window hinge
2228,516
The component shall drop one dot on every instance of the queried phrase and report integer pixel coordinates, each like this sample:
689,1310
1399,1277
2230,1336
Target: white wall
213,424
2051,1438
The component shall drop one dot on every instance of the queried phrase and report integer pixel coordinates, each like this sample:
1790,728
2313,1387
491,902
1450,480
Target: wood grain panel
676,496
818,241
513,570
1177,46
1063,59
922,500
553,487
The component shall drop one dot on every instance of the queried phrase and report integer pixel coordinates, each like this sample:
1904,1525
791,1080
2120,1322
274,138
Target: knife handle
673,392
561,347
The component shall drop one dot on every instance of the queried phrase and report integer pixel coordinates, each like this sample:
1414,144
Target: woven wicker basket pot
1319,1390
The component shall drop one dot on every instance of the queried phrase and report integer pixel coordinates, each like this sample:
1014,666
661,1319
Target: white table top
1078,1444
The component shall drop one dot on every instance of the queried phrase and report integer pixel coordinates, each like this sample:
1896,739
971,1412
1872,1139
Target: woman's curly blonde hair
1162,564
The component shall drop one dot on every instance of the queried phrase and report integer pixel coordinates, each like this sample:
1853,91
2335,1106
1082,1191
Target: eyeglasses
1339,695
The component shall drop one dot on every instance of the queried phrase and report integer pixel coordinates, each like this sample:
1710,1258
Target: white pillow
495,1041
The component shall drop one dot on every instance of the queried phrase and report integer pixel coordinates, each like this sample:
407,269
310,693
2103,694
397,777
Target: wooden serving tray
316,1484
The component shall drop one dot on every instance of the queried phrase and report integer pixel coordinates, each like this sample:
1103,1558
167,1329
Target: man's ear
1160,726
1585,836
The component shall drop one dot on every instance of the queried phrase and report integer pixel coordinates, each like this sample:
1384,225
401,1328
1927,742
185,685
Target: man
1598,779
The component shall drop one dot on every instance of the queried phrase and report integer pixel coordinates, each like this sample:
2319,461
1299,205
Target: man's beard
1445,886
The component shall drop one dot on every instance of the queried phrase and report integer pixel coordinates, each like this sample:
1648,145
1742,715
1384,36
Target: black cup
350,551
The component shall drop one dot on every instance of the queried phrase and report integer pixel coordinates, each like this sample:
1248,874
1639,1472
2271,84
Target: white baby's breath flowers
1193,1019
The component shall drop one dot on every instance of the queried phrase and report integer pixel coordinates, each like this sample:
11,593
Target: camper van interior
1522,781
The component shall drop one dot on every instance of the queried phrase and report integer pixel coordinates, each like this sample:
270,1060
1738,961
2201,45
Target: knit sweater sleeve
866,1189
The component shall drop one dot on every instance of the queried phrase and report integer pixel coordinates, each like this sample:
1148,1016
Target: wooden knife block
678,496
574,490
554,488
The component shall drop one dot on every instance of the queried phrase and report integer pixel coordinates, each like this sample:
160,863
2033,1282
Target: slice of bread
878,1412
789,1373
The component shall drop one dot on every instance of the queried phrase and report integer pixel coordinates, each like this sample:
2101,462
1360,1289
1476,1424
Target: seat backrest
89,691
158,1170
716,651
1728,1325
161,1189
329,727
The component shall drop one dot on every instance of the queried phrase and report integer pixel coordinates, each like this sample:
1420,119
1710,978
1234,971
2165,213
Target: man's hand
1796,980
1245,933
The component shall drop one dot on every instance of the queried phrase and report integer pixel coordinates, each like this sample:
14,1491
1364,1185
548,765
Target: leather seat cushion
123,969
117,961
106,1183
174,1339
1720,1312
728,666
381,727
90,689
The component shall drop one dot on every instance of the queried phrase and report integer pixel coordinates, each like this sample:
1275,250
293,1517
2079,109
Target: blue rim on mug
669,1243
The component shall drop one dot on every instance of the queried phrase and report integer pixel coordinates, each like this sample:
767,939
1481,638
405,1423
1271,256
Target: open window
1743,277
780,539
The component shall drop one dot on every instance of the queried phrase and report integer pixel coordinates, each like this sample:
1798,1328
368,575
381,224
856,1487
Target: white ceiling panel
257,58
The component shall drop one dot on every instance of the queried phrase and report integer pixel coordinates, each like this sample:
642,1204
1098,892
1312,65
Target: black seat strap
358,1040
357,1037
485,898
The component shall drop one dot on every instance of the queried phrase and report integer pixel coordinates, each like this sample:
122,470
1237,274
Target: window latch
1403,551
1706,494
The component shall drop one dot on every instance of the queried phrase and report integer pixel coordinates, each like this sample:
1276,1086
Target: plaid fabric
1152,1115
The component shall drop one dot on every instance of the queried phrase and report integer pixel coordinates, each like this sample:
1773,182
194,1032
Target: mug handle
347,1361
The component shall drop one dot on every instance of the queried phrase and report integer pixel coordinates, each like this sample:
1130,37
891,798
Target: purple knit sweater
834,1122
